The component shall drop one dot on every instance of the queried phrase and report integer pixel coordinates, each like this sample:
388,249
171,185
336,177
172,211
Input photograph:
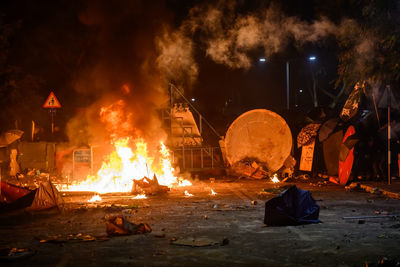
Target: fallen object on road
46,196
198,242
118,225
291,207
370,217
14,254
148,186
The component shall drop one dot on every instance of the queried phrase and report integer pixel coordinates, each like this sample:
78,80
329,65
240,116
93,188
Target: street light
310,58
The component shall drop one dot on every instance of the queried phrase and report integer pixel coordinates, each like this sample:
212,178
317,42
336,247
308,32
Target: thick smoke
120,68
175,58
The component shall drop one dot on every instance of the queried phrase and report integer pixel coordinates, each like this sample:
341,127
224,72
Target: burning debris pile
129,166
148,186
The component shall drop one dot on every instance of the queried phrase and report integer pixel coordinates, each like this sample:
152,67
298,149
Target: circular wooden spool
260,135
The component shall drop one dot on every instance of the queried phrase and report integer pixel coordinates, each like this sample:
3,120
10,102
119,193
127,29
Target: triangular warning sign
383,103
52,102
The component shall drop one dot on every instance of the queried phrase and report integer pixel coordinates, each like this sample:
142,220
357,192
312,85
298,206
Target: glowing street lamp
310,58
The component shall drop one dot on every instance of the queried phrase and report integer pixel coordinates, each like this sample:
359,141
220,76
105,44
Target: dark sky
86,50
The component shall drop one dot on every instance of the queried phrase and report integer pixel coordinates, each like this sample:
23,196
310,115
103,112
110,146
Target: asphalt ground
226,229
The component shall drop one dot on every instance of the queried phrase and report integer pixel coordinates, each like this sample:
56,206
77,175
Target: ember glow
131,159
275,179
95,198
140,196
187,194
184,183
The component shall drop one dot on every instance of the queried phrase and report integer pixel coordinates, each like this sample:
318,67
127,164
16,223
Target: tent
44,197
291,207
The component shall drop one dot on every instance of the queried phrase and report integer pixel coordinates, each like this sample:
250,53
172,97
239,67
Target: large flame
129,161
125,165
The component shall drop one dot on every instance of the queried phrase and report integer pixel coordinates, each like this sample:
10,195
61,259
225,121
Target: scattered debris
71,238
276,190
148,186
373,190
370,217
198,242
14,254
118,225
249,169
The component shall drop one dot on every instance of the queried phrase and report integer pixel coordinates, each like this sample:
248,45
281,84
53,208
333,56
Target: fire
187,194
131,160
275,179
95,198
184,183
140,196
213,192
123,166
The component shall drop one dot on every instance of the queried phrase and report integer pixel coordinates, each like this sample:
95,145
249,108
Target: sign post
52,104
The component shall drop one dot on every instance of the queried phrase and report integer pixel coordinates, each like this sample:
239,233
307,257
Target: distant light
312,58
262,59
193,99
301,90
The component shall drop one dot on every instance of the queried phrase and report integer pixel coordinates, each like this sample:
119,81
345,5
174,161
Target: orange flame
187,194
213,192
95,198
124,164
140,196
275,179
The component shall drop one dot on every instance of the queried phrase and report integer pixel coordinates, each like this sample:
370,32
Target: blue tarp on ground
291,207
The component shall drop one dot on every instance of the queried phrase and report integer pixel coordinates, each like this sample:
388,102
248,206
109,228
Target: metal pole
190,104
200,124
389,158
52,121
287,85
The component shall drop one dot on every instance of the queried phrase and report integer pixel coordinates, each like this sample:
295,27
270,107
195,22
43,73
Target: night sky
86,51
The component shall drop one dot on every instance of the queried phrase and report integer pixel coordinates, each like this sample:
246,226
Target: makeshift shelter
331,149
10,137
44,197
307,134
327,129
291,207
346,155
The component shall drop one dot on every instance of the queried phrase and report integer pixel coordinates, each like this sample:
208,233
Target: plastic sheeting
291,207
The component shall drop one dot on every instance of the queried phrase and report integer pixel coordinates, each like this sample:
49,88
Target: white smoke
228,37
175,58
